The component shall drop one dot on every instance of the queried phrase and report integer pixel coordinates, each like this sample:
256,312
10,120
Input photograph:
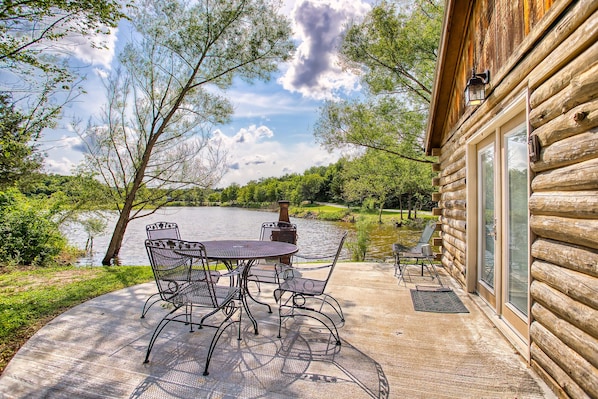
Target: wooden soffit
456,18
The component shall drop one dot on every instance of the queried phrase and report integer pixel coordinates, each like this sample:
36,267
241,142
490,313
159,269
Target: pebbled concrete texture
96,350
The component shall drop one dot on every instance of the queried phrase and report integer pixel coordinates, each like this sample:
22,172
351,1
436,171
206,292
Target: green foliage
31,297
32,57
396,48
29,234
359,247
17,156
182,51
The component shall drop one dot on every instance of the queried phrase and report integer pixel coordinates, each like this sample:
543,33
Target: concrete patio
96,350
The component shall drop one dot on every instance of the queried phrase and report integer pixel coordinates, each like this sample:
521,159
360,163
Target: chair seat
304,286
263,273
204,295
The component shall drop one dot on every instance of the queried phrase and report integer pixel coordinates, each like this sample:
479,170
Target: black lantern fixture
475,91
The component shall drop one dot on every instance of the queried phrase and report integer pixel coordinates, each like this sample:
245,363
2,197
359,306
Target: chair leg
146,308
327,322
221,328
165,320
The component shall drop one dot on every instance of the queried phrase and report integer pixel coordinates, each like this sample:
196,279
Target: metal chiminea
283,215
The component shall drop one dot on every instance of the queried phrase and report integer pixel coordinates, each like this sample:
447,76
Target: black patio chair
162,230
156,231
169,230
264,271
421,253
171,262
301,292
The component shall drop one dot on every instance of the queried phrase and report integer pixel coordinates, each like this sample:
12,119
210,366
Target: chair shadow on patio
305,360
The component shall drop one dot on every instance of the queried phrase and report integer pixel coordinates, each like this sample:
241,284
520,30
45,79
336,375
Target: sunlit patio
388,350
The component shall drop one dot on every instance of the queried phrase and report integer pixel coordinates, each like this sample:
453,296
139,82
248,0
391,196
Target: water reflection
213,223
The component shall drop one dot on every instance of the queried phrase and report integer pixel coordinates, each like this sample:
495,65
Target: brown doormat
441,300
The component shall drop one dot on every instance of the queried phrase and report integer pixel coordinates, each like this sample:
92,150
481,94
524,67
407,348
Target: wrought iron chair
300,293
161,230
264,271
171,262
156,231
421,252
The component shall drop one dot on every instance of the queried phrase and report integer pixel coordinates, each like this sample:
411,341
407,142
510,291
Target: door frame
492,129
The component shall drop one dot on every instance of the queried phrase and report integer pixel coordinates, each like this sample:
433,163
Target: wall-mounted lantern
475,91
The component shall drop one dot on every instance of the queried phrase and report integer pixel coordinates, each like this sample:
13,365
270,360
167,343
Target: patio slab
96,350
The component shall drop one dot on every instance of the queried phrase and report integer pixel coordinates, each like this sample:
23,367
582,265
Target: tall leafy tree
394,50
36,79
17,156
155,128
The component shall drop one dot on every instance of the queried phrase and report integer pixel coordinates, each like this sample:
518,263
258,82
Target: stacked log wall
564,213
559,71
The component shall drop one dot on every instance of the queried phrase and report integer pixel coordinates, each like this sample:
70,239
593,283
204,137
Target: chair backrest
426,235
428,232
335,259
171,262
162,230
279,231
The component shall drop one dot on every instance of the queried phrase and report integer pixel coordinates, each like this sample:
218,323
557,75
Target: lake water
314,237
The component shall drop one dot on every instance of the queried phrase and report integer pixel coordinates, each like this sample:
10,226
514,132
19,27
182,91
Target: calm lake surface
314,237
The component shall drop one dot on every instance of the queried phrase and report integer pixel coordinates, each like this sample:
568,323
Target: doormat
437,301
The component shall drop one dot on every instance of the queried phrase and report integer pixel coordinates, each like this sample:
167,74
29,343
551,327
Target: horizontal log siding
564,210
557,63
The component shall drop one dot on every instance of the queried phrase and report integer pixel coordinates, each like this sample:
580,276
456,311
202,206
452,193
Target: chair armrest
307,268
232,273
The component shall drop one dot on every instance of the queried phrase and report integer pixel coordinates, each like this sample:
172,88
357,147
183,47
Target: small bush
29,235
359,247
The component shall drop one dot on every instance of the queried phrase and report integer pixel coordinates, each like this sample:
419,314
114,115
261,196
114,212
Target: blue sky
271,132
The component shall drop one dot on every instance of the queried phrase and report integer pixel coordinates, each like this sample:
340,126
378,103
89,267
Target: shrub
359,247
29,235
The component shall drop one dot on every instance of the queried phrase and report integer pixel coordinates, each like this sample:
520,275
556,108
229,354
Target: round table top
247,249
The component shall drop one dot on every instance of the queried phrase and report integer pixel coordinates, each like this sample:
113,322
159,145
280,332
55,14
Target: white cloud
251,104
254,154
60,166
319,26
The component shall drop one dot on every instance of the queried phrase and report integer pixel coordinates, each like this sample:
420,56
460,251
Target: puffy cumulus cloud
60,166
319,26
258,155
102,56
95,49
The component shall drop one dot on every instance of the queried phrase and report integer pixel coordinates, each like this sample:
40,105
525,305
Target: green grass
31,297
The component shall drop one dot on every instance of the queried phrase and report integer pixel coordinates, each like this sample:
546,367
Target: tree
37,82
17,156
309,187
371,176
394,50
155,126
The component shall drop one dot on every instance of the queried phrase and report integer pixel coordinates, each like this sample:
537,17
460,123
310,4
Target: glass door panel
486,220
516,218
487,216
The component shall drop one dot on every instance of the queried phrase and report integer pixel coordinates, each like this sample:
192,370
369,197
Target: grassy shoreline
31,297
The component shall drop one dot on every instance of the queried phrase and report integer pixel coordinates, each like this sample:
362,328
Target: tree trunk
119,232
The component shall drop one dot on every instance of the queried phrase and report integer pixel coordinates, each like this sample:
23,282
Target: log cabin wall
549,51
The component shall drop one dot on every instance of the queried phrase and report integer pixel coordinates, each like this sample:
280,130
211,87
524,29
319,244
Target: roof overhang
454,28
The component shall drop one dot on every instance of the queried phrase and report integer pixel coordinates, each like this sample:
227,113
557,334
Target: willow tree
394,51
36,80
154,134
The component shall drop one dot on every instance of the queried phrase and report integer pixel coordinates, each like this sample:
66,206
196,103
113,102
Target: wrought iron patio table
241,255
